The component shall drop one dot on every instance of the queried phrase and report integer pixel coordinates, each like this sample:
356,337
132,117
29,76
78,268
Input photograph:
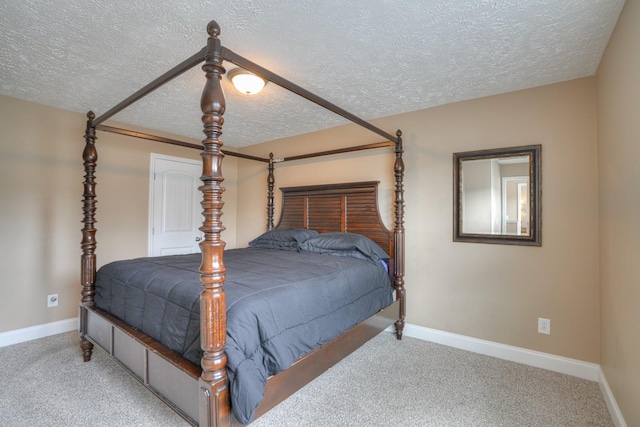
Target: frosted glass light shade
246,82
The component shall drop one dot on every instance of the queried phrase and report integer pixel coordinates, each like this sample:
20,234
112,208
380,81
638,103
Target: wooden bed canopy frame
213,395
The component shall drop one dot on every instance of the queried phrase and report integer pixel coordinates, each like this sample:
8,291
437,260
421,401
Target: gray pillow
345,244
282,238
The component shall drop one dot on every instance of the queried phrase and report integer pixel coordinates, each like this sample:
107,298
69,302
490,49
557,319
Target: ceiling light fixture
246,82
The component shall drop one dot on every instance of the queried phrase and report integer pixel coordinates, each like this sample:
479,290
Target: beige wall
493,292
619,178
41,189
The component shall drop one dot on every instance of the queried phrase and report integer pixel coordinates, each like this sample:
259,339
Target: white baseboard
564,365
610,400
39,331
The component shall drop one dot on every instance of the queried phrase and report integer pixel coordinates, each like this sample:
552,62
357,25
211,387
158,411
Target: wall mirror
496,196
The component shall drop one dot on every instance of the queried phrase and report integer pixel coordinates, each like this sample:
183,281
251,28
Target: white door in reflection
515,206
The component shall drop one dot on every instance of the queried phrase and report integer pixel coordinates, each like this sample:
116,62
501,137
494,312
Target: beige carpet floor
385,383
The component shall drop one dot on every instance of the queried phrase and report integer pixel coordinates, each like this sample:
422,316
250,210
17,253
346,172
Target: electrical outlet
544,326
52,300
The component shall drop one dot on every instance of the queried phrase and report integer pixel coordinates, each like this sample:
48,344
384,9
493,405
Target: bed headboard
348,207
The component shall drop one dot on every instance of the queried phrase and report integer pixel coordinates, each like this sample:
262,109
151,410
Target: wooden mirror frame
533,238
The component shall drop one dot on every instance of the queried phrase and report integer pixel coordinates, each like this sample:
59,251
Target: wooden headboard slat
348,207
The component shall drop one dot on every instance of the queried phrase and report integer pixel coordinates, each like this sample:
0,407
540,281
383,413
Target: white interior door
511,203
176,213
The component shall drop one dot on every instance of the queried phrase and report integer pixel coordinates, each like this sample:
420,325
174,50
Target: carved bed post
214,387
270,184
88,245
398,234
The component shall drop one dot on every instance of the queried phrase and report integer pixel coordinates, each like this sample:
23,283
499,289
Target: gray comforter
280,305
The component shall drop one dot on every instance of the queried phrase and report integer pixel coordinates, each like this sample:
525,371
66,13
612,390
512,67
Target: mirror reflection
496,196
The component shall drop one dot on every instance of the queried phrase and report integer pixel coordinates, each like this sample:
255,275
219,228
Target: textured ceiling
375,58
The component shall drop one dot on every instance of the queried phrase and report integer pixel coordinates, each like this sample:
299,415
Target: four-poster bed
201,393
